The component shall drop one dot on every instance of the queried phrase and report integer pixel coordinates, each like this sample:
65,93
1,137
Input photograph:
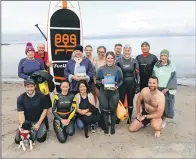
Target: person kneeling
86,109
63,109
32,107
154,104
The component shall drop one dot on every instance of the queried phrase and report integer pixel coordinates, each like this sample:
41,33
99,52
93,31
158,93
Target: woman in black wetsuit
85,107
131,78
63,109
109,95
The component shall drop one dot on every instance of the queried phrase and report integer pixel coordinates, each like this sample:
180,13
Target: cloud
174,17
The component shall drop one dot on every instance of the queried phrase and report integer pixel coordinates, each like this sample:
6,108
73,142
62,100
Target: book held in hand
81,71
109,82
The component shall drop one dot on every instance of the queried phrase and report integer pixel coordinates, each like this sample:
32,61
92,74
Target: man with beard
118,50
32,106
43,55
154,104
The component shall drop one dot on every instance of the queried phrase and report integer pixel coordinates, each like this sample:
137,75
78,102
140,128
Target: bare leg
156,126
135,126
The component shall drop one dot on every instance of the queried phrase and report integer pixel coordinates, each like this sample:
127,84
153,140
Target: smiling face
118,50
30,89
88,51
110,60
101,52
127,52
30,54
82,88
65,87
164,59
78,54
41,49
145,48
152,84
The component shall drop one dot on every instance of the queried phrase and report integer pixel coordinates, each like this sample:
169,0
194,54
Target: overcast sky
101,17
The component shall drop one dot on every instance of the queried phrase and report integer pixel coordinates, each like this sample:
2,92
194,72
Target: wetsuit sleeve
42,67
73,109
99,77
137,71
19,104
54,107
20,70
172,83
119,77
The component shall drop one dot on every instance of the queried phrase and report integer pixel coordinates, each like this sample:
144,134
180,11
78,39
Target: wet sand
177,138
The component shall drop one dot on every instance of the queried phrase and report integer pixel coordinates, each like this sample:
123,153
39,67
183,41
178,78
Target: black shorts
145,121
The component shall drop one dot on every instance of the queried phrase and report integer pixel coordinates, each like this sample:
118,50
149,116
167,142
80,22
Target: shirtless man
154,104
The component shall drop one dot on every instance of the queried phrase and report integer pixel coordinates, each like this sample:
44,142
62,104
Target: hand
81,78
75,78
142,118
139,116
49,64
88,114
19,126
65,122
102,81
36,126
165,91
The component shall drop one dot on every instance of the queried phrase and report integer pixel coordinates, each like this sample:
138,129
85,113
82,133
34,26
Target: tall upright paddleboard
64,33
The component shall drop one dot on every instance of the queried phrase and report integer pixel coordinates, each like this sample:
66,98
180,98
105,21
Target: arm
77,105
67,73
99,77
172,83
90,72
73,110
137,72
138,102
21,117
45,107
20,70
92,98
42,67
160,109
54,107
119,77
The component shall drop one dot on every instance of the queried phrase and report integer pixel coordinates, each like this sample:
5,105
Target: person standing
78,68
27,66
43,55
146,64
165,71
108,94
118,50
130,69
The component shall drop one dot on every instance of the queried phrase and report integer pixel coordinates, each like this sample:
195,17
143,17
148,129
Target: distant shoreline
106,37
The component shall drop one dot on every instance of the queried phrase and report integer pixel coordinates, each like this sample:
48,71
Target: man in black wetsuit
146,62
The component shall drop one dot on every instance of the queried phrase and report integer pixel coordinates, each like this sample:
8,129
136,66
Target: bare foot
157,134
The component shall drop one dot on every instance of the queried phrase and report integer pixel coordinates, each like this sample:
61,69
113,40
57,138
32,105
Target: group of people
93,88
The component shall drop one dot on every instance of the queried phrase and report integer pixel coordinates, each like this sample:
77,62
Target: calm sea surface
182,53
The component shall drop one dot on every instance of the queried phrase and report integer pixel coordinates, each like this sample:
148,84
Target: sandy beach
177,139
